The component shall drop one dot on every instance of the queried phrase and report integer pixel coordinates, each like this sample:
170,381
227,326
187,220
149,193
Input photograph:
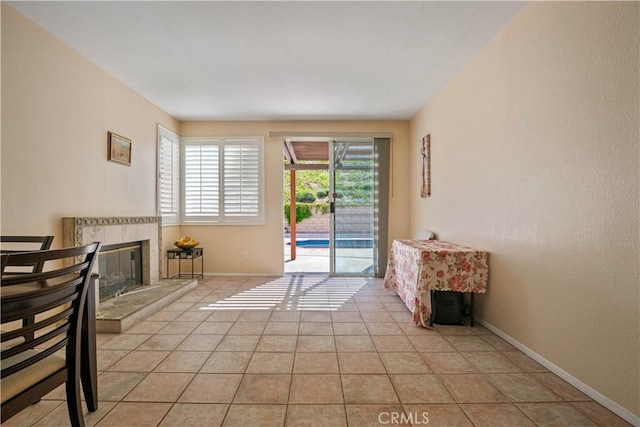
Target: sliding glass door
351,176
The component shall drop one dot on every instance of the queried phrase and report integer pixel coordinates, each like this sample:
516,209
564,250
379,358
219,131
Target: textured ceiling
214,60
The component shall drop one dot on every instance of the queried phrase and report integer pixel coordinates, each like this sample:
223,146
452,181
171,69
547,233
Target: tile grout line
369,292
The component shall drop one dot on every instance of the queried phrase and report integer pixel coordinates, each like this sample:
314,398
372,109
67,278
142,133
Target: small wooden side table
191,254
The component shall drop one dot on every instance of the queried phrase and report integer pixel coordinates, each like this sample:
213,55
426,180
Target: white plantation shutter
202,180
241,180
168,176
222,180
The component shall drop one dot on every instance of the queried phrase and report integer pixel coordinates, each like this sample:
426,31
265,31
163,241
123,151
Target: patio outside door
351,181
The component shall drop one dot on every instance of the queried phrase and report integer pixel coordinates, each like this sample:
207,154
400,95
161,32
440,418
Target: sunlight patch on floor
296,292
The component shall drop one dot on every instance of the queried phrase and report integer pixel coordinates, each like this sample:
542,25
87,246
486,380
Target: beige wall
226,244
57,108
535,159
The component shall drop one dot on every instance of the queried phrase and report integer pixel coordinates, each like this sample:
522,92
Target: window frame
174,139
221,218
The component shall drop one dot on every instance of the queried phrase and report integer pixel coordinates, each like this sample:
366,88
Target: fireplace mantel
77,231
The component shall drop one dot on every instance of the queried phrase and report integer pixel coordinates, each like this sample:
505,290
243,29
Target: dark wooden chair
14,244
33,367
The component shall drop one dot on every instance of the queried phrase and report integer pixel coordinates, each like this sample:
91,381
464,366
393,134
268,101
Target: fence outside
354,220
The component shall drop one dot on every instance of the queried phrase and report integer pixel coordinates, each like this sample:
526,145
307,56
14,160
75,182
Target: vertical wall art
425,185
119,149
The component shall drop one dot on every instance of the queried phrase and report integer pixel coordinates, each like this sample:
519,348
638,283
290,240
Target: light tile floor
305,350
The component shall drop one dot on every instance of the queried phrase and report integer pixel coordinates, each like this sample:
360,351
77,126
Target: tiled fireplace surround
78,231
116,315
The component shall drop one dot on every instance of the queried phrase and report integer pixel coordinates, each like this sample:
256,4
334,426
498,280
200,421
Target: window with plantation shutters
222,180
241,180
168,185
201,180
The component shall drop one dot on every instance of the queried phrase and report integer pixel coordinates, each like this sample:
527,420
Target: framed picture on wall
119,149
425,185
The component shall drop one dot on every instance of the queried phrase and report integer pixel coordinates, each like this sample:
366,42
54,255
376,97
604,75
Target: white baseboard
264,274
598,397
241,274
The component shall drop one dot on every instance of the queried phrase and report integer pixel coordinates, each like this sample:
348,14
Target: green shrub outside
306,210
322,194
303,211
305,197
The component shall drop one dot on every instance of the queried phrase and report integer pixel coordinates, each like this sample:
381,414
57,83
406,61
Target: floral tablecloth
416,267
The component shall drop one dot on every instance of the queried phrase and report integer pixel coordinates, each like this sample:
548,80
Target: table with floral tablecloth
416,267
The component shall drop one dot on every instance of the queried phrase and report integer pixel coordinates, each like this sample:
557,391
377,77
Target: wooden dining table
416,268
88,347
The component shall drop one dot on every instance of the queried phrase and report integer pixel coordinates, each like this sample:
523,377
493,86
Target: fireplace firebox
120,268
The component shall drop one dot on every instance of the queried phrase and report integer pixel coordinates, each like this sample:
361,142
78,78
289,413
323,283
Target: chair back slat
27,330
58,273
42,257
14,244
19,308
54,299
40,341
34,292
43,241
